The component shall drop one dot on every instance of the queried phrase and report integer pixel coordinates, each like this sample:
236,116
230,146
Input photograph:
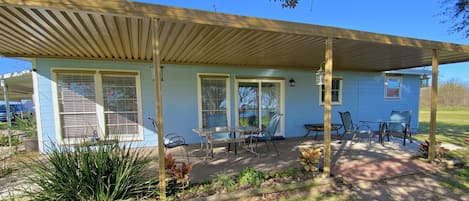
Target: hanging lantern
424,80
320,76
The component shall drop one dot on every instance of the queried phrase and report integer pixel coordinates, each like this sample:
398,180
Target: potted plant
28,126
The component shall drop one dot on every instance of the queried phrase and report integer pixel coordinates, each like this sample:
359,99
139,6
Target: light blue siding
43,68
363,95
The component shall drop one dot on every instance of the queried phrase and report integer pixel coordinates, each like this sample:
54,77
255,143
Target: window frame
392,98
99,103
227,91
339,102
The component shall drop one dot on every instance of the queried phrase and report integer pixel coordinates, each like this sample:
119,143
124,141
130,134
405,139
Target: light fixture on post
292,82
424,80
320,75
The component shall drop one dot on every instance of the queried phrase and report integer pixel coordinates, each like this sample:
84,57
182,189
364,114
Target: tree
451,93
288,3
458,13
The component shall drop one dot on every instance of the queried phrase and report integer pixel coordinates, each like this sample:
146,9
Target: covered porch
121,31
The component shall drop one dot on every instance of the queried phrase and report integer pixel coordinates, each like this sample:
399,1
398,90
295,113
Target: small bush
4,141
309,158
100,172
223,182
252,177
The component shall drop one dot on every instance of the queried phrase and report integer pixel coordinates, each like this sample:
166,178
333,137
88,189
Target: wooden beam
327,107
433,106
159,105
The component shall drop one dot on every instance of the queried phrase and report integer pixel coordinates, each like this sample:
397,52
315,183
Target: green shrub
4,141
100,172
223,182
252,177
27,125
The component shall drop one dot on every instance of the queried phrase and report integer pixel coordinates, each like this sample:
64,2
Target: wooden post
433,106
159,106
327,107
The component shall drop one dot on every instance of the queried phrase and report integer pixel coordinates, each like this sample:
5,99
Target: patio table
383,126
319,127
236,135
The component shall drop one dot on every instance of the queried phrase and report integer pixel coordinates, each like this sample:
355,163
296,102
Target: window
213,100
336,92
392,87
98,103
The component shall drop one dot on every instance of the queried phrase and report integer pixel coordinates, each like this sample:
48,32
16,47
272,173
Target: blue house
98,70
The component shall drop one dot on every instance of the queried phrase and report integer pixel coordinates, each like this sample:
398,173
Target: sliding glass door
257,101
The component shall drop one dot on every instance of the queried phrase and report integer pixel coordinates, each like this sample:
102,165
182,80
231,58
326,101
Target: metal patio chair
172,140
400,123
268,134
354,129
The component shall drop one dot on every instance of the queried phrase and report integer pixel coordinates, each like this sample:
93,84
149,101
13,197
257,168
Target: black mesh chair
172,140
354,129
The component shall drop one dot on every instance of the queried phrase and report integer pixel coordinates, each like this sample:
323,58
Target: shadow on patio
351,160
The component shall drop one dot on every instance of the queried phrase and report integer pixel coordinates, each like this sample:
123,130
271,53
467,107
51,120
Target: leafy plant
423,148
252,177
5,171
223,182
286,173
169,162
27,125
309,158
100,172
180,173
14,141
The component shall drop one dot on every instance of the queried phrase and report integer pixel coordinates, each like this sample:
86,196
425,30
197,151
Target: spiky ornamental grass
98,172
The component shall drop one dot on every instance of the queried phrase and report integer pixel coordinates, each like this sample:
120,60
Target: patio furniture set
250,136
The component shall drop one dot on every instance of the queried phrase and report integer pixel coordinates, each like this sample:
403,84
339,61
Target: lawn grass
452,125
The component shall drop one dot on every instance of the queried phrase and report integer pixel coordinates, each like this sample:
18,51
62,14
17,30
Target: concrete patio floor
351,160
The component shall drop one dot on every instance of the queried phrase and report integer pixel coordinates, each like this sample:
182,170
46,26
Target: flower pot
31,143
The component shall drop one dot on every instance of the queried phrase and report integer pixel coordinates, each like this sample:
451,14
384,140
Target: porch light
292,82
320,76
424,80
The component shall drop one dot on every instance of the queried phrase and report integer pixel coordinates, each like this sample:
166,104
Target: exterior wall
363,96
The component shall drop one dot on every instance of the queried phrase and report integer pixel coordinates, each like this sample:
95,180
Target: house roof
121,30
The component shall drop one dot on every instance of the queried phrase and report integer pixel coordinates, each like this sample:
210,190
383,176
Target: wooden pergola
130,31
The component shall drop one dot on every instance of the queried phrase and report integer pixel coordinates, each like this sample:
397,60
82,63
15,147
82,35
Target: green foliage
4,141
27,125
100,172
5,171
459,182
285,173
252,177
223,182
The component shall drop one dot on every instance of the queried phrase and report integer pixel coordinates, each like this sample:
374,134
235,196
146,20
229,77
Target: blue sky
410,18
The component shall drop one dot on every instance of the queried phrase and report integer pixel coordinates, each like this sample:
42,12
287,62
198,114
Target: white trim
341,91
98,88
259,81
37,106
401,80
228,96
99,105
